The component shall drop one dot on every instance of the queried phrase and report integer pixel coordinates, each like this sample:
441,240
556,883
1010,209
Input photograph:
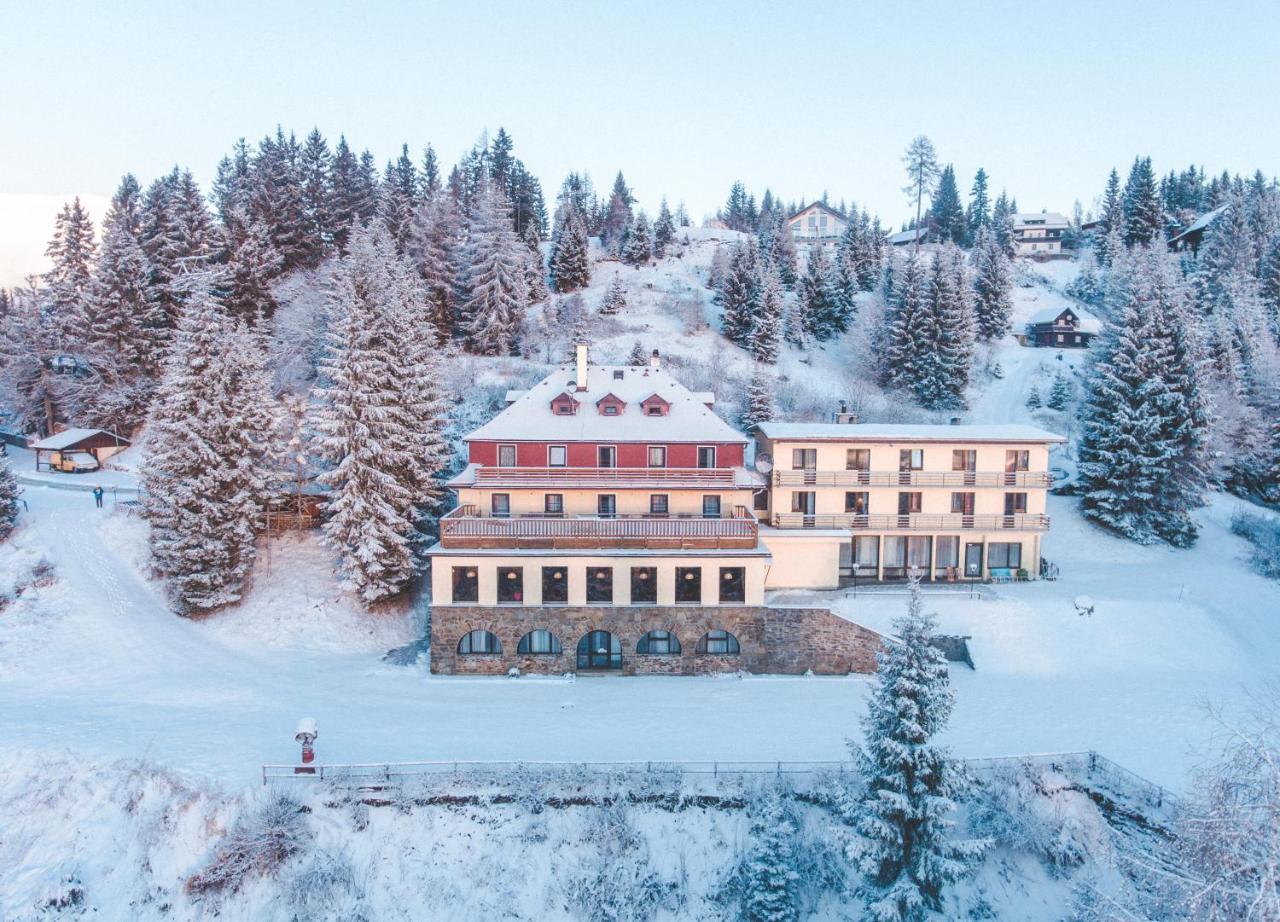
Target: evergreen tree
1033,399
570,265
178,237
778,246
1060,392
664,231
739,293
769,871
823,307
739,211
637,249
1143,455
1143,217
992,285
233,185
379,417
429,176
535,272
901,335
905,849
617,217
765,338
277,200
315,168
942,366
204,476
491,316
67,282
253,264
349,194
947,213
758,406
921,163
637,356
1002,223
434,250
615,297
978,216
9,492
399,199
1269,273
1112,213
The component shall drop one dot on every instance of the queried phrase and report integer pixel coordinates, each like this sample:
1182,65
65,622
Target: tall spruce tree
901,338
617,215
1141,205
1143,456
637,249
947,213
492,313
71,252
1111,215
758,406
824,308
569,264
942,365
978,216
921,164
205,474
9,493
664,231
315,174
1002,223
434,249
906,851
769,871
992,286
253,263
615,297
739,294
765,338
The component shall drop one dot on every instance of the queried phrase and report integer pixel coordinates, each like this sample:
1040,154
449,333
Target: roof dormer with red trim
563,404
611,405
655,405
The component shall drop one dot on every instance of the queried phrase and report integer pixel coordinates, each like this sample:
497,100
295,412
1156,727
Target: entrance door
599,650
973,560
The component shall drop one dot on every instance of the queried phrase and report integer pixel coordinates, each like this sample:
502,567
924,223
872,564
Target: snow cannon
306,736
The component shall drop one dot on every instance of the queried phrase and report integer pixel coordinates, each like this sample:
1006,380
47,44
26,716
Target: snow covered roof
1087,322
1200,223
821,206
530,419
906,236
1040,218
513,396
70,437
893,432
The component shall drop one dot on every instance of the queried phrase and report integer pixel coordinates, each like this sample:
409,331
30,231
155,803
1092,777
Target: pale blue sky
683,97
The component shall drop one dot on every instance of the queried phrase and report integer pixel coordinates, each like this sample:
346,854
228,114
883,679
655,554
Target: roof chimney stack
654,361
843,415
582,366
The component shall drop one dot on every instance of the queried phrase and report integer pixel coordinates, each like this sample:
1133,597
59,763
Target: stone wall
771,640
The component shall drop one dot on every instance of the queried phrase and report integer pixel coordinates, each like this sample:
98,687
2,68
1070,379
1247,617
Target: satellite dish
764,464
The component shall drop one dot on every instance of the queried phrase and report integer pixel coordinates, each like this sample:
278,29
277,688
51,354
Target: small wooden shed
73,450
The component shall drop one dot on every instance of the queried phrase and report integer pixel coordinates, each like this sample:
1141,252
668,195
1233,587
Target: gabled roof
1202,222
1086,322
821,206
70,438
655,397
893,432
1041,218
530,419
908,236
612,397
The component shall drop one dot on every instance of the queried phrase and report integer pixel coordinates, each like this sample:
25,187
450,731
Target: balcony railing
911,479
466,527
913,522
604,476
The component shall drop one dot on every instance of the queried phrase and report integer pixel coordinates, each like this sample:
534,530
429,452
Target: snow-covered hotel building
816,227
1039,234
955,502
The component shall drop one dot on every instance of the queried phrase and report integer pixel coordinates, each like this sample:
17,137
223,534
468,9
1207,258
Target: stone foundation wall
771,640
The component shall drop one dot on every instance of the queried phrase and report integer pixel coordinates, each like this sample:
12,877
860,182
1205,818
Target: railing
466,527
912,478
913,522
592,476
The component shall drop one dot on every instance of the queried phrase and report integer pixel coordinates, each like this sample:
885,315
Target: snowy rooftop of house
531,419
1087,322
1202,222
821,206
905,236
893,432
69,437
1047,218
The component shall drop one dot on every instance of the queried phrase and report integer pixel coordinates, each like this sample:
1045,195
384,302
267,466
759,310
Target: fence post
264,776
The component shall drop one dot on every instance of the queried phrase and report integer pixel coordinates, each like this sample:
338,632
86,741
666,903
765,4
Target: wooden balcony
586,477
914,522
467,527
911,479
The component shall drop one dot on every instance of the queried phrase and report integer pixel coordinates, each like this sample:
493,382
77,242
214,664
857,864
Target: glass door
973,561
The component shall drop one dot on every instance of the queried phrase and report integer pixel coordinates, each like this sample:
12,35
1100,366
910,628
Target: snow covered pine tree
769,870
9,491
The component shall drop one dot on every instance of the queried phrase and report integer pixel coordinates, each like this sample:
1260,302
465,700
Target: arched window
599,650
658,642
718,643
479,642
539,643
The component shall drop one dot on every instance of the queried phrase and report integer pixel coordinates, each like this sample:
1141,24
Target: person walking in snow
97,496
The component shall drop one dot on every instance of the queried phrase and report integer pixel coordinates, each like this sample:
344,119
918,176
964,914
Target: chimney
654,361
843,416
955,420
582,366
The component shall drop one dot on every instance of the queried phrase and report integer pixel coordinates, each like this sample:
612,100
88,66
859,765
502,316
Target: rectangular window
919,548
600,585
689,585
1000,554
506,456
909,503
895,556
555,586
711,506
644,585
857,503
654,409
658,504
733,584
948,552
866,555
1015,503
610,409
857,459
804,459
510,584
962,503
1017,461
803,501
760,501
706,456
557,455
911,459
500,504
553,503
964,459
657,455
607,505
466,584
606,456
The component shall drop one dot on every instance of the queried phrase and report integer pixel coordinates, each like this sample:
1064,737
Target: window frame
552,642
500,513
612,512
910,456
562,583
730,641
654,504
473,578
547,504
736,578
711,449
644,646
600,587
711,501
613,455
688,578
850,464
505,584
515,454
649,454
1008,553
856,507
564,456
491,642
651,581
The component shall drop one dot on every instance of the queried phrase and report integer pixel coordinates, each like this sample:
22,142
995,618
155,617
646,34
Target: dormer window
611,405
564,405
609,410
617,374
655,405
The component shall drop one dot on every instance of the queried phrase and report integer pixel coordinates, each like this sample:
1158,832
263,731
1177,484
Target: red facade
583,454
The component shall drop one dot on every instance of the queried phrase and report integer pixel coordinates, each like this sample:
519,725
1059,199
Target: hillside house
1039,235
851,500
73,450
816,227
1062,328
1194,234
